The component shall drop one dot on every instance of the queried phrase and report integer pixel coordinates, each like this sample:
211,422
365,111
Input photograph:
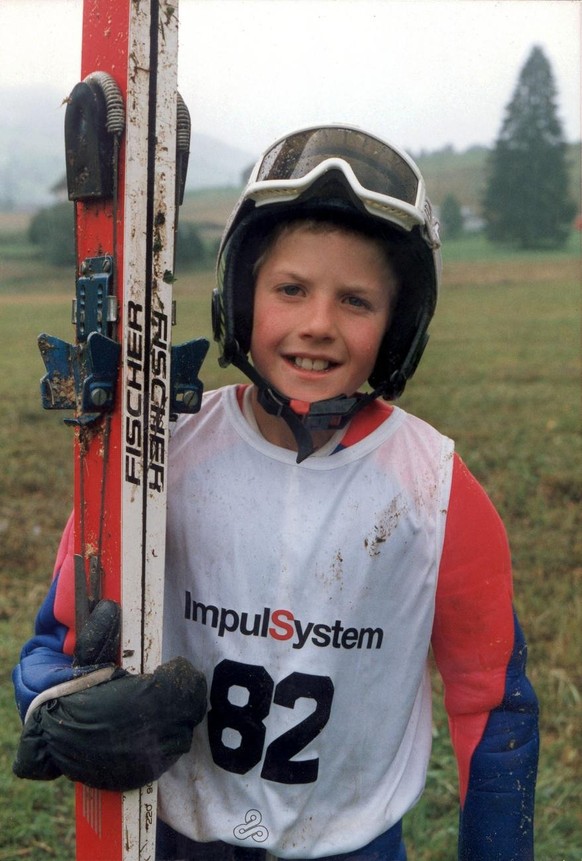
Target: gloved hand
107,728
118,734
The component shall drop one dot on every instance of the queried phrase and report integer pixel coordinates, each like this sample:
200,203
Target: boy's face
321,308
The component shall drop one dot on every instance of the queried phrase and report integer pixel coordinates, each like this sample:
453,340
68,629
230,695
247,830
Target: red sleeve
473,629
64,605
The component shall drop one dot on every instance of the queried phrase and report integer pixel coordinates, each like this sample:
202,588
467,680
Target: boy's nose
319,321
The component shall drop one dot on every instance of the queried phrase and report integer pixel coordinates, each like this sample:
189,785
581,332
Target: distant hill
32,157
31,147
32,161
459,173
464,174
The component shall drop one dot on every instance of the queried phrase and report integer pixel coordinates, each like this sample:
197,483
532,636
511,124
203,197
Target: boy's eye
357,302
290,289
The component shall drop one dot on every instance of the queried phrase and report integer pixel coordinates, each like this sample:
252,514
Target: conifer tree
451,217
527,194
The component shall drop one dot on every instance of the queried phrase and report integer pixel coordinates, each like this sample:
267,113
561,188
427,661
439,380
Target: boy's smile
321,308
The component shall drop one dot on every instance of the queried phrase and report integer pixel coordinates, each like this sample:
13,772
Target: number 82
248,721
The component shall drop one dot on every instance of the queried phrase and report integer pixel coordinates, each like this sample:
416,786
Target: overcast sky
422,73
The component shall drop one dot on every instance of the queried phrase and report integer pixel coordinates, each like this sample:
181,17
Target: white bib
305,593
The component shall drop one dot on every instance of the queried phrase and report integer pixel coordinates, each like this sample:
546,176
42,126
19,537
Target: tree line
526,200
52,230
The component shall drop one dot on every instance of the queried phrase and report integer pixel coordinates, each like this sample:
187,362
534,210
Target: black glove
117,734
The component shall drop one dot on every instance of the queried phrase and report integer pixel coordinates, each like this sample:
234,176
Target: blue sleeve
43,662
496,821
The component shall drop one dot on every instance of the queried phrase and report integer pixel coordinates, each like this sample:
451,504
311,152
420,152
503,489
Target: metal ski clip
82,376
94,308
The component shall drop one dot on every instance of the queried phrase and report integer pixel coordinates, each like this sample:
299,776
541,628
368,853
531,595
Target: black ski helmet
345,175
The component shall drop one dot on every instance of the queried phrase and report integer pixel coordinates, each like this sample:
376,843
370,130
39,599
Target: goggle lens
378,167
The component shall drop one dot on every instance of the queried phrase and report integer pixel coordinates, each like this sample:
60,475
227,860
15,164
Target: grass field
501,376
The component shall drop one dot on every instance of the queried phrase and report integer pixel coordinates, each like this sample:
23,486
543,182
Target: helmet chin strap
303,417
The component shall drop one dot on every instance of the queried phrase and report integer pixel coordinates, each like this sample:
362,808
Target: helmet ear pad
239,257
406,337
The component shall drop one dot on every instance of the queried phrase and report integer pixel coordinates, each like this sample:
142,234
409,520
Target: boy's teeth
311,364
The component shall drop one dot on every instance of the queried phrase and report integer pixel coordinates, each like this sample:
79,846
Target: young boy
320,540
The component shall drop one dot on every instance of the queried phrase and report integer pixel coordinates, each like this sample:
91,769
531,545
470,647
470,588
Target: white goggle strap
392,209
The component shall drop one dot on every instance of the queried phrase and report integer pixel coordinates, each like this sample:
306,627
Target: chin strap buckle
303,417
301,408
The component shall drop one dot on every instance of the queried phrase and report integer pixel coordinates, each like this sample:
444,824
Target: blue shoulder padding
496,823
43,663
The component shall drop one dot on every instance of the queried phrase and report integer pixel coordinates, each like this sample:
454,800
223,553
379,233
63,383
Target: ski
127,139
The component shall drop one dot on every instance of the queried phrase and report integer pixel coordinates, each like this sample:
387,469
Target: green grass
501,376
476,248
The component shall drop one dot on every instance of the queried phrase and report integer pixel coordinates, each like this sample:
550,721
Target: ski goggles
384,179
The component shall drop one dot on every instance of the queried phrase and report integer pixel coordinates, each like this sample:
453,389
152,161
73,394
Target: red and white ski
127,138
